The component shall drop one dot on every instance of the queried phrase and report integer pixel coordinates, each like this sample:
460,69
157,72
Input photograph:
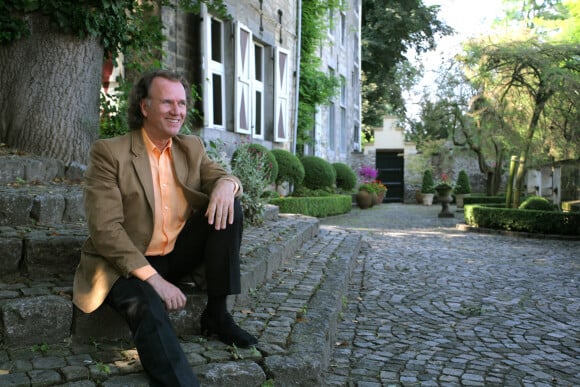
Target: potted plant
380,190
462,188
365,196
427,187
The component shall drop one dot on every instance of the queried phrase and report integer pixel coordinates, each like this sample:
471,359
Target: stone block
15,208
42,169
74,210
106,323
12,168
10,254
75,172
48,208
35,320
47,252
239,374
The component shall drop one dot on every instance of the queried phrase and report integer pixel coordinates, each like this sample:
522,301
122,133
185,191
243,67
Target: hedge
483,199
314,206
532,221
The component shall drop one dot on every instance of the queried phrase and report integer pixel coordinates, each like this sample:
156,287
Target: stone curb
517,234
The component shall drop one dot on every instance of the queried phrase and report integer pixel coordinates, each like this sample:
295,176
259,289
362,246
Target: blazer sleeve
105,213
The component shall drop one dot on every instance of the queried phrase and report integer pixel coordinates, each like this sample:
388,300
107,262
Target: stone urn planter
444,197
364,199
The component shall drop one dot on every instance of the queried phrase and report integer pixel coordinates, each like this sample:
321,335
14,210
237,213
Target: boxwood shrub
314,206
532,221
318,173
537,203
290,169
345,176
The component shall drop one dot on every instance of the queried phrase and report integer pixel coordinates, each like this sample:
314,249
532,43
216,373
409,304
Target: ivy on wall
316,87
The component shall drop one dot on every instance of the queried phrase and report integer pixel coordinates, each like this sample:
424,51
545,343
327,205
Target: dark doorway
391,166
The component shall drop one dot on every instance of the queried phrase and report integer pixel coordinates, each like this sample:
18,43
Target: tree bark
49,92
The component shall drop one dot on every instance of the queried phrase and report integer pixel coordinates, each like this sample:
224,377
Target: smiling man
158,208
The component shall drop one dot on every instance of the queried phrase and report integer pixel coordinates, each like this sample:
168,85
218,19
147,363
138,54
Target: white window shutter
243,73
207,99
281,86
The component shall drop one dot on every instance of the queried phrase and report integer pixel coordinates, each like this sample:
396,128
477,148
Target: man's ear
144,107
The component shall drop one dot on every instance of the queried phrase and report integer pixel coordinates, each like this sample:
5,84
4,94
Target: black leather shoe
227,330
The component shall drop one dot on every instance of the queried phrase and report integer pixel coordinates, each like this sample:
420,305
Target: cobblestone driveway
430,305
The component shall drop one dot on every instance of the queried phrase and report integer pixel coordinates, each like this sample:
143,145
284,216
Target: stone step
49,204
293,314
36,308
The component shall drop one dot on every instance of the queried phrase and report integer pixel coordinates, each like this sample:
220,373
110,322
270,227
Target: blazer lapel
142,167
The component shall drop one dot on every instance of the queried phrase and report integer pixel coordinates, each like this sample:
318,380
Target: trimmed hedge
314,206
532,221
483,199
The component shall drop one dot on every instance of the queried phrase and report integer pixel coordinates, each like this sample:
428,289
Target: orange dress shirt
171,207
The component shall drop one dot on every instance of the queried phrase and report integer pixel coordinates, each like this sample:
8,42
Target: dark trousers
198,243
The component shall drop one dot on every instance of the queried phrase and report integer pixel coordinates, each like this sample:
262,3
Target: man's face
164,110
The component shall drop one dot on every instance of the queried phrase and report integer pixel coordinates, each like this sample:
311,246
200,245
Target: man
157,208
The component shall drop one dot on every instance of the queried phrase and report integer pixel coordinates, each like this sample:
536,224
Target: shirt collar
150,146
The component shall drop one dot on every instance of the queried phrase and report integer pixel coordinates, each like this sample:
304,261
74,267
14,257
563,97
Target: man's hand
220,210
171,295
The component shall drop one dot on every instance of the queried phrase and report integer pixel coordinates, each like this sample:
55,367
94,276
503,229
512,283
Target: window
331,23
258,86
281,86
214,87
342,91
342,29
343,134
331,134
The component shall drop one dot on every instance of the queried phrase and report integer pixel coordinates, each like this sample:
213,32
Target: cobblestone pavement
431,305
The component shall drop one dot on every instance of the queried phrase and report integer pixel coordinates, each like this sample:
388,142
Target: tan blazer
119,207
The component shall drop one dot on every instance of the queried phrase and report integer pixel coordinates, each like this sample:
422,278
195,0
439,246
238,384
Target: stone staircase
293,276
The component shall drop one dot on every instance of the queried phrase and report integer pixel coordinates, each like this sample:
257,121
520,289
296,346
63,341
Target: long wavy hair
140,91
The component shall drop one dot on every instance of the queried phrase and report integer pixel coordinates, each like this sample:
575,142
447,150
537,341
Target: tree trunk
542,97
49,92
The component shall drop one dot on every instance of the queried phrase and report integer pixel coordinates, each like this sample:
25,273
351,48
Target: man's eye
182,103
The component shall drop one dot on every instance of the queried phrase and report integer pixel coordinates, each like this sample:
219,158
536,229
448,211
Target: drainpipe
298,45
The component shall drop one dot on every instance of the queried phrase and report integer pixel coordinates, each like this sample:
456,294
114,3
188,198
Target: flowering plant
445,179
378,186
368,173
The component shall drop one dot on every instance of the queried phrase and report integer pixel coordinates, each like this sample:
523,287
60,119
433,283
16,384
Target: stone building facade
246,69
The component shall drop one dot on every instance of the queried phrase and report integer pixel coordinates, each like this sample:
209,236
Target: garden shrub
345,176
513,219
248,167
484,199
318,173
290,169
314,206
427,185
462,186
537,203
269,164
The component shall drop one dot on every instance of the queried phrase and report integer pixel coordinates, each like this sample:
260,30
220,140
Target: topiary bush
270,164
318,173
427,186
345,176
462,186
537,203
290,169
